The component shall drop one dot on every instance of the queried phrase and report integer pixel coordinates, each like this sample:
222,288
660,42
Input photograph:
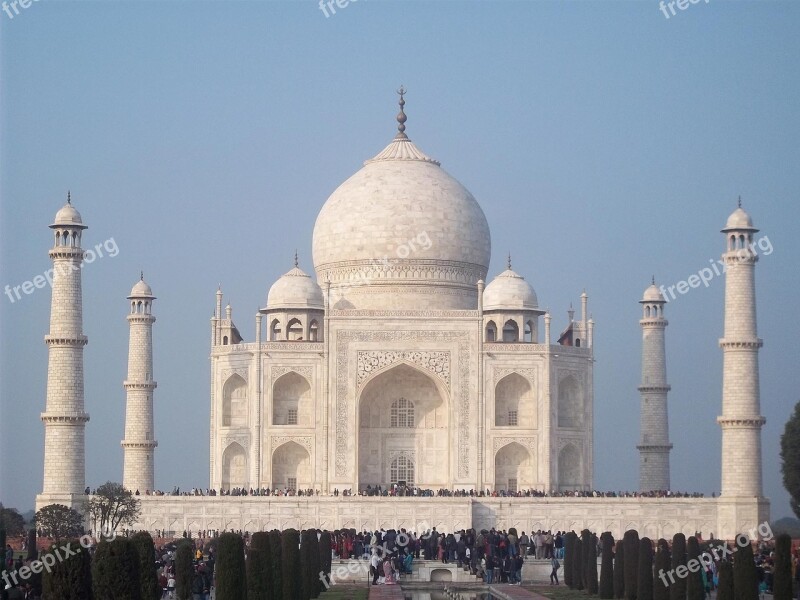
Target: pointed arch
292,401
234,402
570,470
510,331
291,467
515,402
234,467
275,330
570,406
513,468
491,331
294,330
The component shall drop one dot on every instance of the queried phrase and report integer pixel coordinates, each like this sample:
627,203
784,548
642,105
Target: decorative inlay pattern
529,443
240,371
343,341
307,372
528,374
371,361
243,439
303,440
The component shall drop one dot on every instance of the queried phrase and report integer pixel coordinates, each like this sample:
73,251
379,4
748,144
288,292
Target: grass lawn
343,591
558,592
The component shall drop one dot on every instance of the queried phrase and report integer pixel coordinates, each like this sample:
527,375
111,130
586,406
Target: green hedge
631,542
115,571
276,564
644,585
663,565
569,554
619,570
231,580
725,586
290,564
606,588
695,588
677,589
69,579
782,584
184,556
148,576
258,567
325,558
745,582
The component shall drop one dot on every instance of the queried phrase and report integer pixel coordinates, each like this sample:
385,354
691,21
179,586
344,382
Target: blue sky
605,143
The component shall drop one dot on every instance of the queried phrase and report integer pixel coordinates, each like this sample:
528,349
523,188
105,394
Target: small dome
739,219
141,290
68,216
509,290
653,294
295,290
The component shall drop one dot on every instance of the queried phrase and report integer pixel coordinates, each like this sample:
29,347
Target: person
523,545
388,573
201,585
489,568
374,561
555,565
171,585
518,562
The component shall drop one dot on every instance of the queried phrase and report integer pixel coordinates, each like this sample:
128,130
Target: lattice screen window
291,483
513,418
292,418
402,470
402,413
512,485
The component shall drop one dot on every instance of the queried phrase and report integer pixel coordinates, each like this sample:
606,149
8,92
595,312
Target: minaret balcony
66,340
740,422
139,444
139,385
65,417
655,388
734,344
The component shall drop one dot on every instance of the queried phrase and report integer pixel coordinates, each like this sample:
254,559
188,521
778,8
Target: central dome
402,233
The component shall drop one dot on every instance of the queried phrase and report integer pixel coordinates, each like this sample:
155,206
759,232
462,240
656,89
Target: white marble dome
400,232
653,294
68,216
509,291
739,219
141,290
295,290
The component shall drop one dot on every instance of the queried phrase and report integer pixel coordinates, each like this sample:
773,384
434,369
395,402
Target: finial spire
296,260
141,275
740,201
509,261
69,197
401,116
654,280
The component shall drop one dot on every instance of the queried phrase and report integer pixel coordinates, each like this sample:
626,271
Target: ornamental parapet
65,417
521,347
749,344
66,340
66,252
139,385
741,422
139,444
653,322
299,346
654,447
141,318
654,388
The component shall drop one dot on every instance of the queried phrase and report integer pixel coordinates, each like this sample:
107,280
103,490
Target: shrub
258,567
677,590
69,579
644,586
569,554
309,562
631,542
148,577
606,588
231,580
325,557
290,564
663,560
695,588
33,552
745,582
725,585
577,563
619,570
590,569
184,555
276,564
115,570
782,582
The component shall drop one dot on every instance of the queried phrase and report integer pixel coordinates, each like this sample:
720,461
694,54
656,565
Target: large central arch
404,419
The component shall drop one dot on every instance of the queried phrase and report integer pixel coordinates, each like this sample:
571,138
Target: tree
631,542
745,582
695,588
148,575
569,555
32,549
619,570
677,590
644,586
57,521
662,567
325,558
782,582
13,522
276,560
258,567
290,564
725,586
606,588
589,547
309,559
112,505
69,579
115,570
790,459
230,569
577,563
184,554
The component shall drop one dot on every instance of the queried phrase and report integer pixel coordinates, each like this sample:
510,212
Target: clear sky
605,142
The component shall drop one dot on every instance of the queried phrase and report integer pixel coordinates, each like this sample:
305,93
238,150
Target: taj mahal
392,362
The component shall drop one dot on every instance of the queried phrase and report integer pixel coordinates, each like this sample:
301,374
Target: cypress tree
745,582
644,588
3,592
677,590
591,566
782,575
577,563
606,588
725,585
231,574
309,559
148,576
325,558
69,579
662,567
586,543
619,570
183,570
290,564
276,564
258,567
115,570
631,542
695,588
569,552
33,552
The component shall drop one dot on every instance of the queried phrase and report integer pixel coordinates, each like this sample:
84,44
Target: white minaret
139,444
64,418
741,419
654,443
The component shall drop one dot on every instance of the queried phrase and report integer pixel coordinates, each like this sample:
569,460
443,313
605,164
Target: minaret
139,444
64,418
654,443
741,419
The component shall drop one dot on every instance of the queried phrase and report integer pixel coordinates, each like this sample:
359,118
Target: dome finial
69,197
296,261
509,261
401,116
141,275
740,201
654,280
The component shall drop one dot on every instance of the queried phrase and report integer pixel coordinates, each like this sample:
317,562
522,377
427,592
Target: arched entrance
234,467
403,430
513,468
291,467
